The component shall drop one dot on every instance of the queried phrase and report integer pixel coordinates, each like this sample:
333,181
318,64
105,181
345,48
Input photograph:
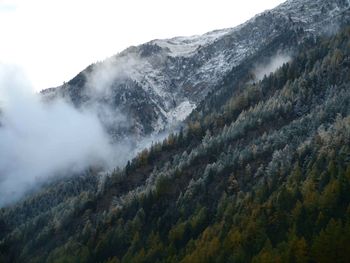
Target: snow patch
180,112
186,46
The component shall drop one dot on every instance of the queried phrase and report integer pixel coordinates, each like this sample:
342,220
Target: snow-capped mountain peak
159,83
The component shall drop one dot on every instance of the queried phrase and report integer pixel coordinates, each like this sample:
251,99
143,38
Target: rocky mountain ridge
152,87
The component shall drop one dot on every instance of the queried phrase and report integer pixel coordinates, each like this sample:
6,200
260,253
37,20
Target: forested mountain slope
260,173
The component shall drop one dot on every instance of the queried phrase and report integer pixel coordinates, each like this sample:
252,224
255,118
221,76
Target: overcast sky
52,40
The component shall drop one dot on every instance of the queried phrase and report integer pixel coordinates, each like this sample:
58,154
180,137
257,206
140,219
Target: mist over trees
259,175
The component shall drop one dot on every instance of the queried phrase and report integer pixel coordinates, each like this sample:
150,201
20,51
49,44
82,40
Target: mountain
260,171
153,86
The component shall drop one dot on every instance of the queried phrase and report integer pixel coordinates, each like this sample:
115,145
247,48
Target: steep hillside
151,87
260,173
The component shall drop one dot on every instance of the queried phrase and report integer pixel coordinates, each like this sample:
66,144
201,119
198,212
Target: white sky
53,40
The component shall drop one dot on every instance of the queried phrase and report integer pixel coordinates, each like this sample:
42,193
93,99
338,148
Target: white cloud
271,66
41,140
